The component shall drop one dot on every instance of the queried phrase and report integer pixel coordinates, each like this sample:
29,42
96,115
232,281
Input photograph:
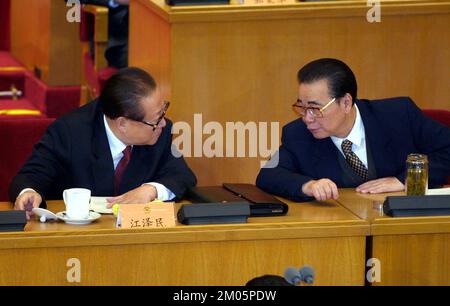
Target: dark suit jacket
74,152
394,128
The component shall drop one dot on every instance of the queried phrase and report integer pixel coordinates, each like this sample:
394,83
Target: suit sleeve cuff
163,193
25,190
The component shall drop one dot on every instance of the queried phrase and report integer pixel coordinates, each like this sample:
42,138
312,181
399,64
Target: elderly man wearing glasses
117,145
340,141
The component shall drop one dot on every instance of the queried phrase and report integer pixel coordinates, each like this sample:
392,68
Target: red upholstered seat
441,116
33,101
22,108
104,74
96,79
62,99
52,101
9,78
17,138
8,61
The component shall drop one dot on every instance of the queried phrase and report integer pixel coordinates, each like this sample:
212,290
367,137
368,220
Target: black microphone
307,275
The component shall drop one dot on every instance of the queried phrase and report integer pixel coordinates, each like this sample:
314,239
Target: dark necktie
353,160
120,169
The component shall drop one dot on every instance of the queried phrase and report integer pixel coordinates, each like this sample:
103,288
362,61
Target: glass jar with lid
416,174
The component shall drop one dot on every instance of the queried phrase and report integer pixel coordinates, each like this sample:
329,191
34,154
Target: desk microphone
297,277
307,275
292,276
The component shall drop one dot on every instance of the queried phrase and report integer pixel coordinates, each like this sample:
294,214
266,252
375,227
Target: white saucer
92,217
44,214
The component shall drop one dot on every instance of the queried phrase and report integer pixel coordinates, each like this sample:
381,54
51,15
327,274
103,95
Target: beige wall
240,63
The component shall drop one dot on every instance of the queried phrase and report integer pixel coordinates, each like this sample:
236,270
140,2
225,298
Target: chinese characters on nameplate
141,216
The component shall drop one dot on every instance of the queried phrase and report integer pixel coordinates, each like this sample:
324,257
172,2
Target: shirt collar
115,144
357,134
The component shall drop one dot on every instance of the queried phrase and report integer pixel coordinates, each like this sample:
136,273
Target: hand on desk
144,194
321,190
386,184
27,201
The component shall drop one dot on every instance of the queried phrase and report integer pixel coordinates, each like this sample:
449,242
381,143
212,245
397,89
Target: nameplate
141,216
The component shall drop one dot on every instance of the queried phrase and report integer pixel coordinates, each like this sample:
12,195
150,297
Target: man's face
315,95
139,133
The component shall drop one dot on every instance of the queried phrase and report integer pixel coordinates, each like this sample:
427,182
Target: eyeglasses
313,111
163,114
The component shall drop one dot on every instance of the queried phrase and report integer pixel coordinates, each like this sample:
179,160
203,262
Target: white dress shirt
358,137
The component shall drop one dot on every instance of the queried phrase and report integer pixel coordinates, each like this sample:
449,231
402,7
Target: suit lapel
102,163
379,141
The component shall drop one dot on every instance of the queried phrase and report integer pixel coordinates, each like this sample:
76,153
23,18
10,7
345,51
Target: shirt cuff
163,193
112,4
25,190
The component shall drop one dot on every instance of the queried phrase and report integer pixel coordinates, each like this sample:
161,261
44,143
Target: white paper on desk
98,204
439,191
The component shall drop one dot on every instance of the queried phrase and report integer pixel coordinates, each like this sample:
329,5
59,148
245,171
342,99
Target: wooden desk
412,251
323,235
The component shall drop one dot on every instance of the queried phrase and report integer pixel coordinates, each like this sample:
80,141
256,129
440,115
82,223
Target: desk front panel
412,251
322,235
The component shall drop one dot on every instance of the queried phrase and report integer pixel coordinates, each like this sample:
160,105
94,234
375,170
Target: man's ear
122,124
347,102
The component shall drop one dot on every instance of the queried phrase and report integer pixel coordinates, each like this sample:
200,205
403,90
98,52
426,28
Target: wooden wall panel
237,63
42,39
151,47
30,33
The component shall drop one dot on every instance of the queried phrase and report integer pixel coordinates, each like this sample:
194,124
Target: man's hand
321,190
141,195
386,184
27,201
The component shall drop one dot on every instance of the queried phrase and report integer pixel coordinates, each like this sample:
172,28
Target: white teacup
77,203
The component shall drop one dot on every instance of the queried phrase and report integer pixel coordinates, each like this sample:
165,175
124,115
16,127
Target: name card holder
151,215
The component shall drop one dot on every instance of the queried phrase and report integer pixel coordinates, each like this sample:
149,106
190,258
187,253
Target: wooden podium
235,63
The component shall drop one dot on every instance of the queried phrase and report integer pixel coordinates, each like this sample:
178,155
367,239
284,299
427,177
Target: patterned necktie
120,169
353,160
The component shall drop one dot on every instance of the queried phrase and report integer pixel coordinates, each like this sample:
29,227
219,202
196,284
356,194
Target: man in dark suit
118,26
119,145
344,142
